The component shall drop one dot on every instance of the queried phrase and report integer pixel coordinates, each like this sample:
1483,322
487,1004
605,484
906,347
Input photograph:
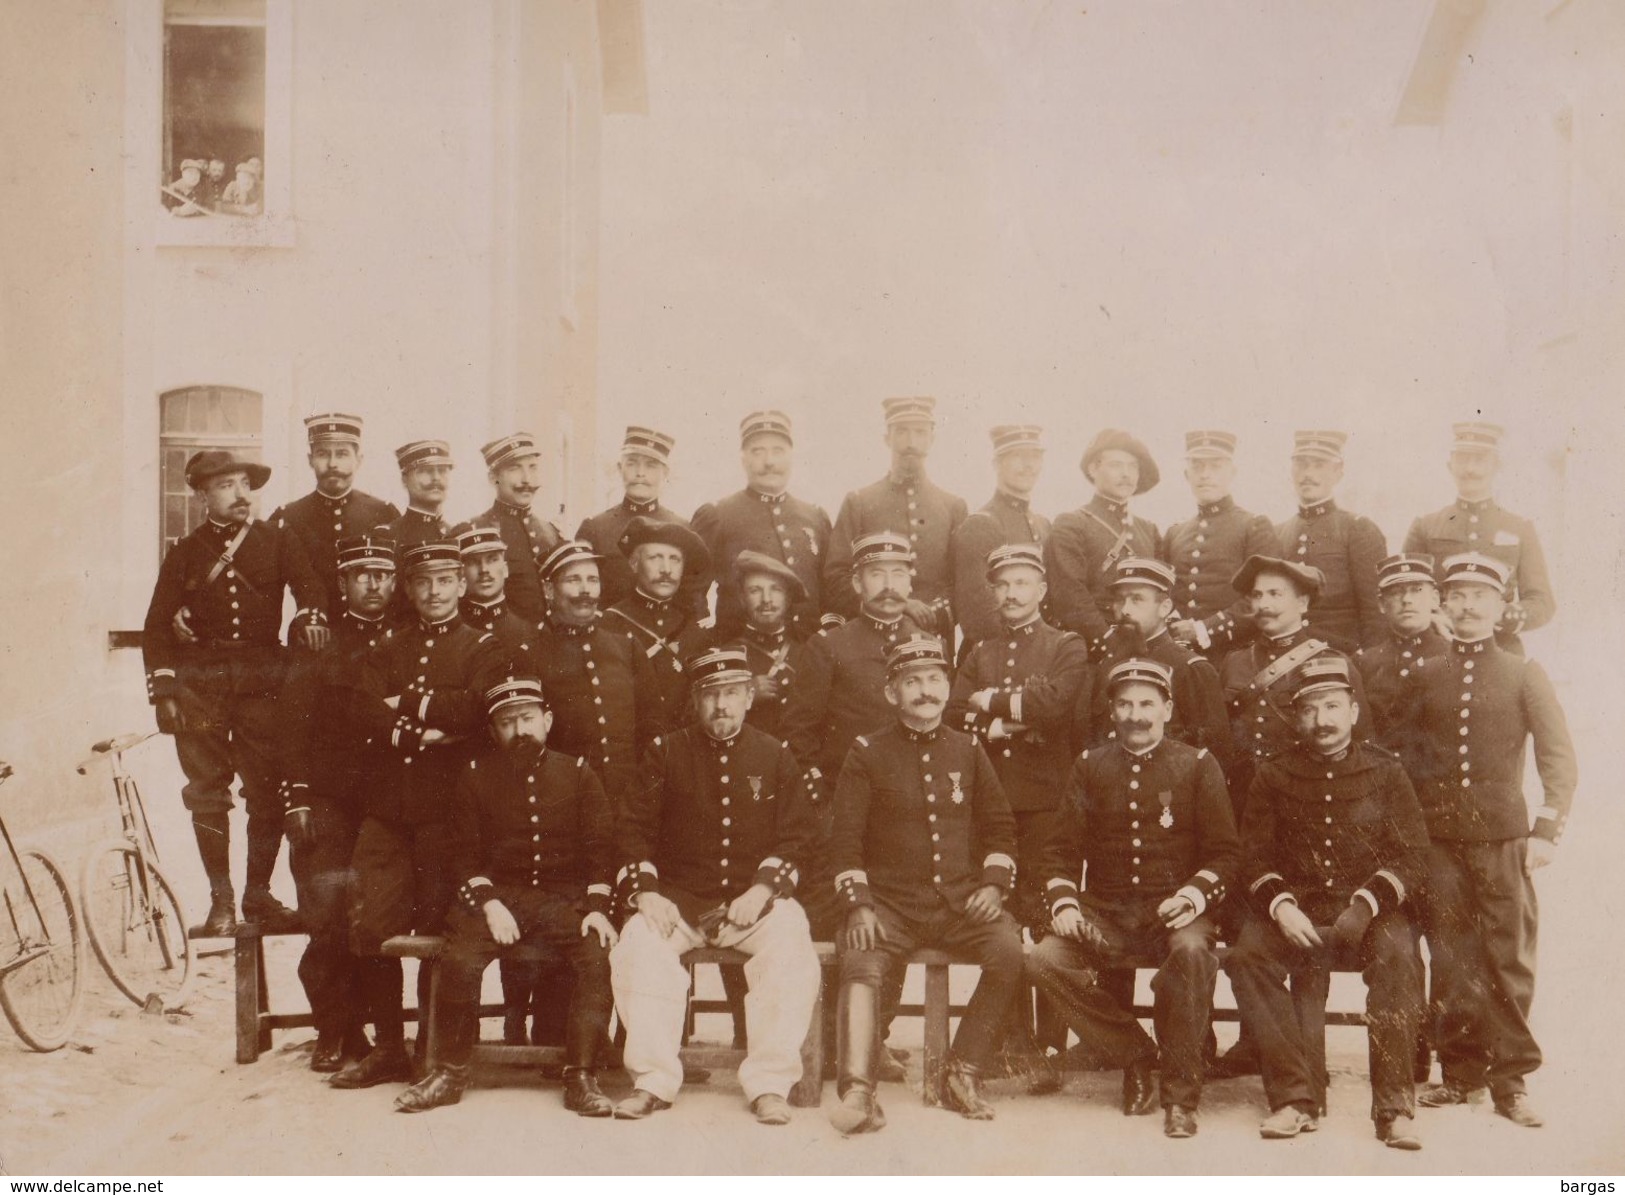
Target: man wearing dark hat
1480,712
923,850
532,847
1017,694
418,698
426,467
907,502
484,606
1142,593
513,465
217,694
1345,547
645,464
764,517
327,769
768,590
661,628
715,839
1007,518
1206,551
1151,819
1333,848
334,510
1394,669
1474,523
1085,544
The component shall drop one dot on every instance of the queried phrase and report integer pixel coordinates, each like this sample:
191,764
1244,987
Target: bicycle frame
133,824
30,944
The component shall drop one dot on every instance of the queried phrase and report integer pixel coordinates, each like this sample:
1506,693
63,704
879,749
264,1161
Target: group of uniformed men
1275,734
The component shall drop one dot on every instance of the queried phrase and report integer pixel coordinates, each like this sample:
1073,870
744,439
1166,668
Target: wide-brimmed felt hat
1113,437
644,530
1306,577
748,562
212,462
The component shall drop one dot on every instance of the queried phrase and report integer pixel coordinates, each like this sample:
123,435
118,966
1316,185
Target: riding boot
264,845
213,833
856,1046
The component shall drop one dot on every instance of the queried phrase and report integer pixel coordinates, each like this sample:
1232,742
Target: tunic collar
1475,508
1318,510
1209,510
513,512
1101,504
1471,647
920,736
437,628
770,499
424,516
639,508
1014,502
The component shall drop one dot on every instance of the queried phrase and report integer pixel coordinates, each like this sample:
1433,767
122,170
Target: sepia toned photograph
811,587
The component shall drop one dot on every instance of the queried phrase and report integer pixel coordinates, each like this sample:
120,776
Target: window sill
230,232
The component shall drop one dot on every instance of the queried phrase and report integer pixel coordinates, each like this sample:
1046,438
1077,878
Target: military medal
1167,818
755,787
958,794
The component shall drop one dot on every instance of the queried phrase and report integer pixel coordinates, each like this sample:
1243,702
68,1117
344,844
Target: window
224,151
189,421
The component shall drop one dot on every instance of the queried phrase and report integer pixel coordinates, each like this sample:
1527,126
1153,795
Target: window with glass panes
189,421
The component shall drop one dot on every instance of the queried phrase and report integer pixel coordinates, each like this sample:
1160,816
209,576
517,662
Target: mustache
890,595
1136,725
926,700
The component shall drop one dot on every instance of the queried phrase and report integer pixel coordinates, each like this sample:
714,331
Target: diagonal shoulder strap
1281,665
226,557
1118,544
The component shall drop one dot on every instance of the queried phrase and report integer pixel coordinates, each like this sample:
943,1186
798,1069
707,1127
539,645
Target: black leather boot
855,1031
962,1091
581,1094
443,1085
213,834
264,845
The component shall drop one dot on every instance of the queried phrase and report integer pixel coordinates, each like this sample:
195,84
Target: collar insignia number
755,787
1167,818
958,794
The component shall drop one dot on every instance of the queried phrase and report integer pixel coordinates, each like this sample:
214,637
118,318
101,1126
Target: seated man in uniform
923,848
1152,877
485,604
532,843
714,835
1333,844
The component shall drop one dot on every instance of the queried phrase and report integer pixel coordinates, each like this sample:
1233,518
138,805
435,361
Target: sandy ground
142,1094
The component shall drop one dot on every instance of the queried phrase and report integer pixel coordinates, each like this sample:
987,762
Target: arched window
190,420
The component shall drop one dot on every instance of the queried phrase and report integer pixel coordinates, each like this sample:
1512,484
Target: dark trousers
1480,917
402,885
1264,960
323,876
232,732
550,925
1069,973
995,946
1028,903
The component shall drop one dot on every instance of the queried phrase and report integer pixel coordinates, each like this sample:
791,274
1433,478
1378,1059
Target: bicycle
42,949
135,922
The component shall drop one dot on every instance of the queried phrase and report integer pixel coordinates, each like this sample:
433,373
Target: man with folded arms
1333,846
714,836
1150,817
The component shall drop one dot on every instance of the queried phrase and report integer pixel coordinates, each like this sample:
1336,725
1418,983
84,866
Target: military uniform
604,530
777,525
1346,548
1082,554
712,818
1480,708
530,540
225,684
1005,519
1149,825
1200,714
1038,676
1484,527
515,635
320,522
534,831
1325,831
666,635
924,512
1394,672
590,675
412,529
1206,552
770,654
921,822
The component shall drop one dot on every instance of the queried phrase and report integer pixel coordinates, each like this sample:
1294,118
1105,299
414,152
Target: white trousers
651,994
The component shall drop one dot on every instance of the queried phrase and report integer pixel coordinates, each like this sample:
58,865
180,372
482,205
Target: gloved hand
1348,931
171,720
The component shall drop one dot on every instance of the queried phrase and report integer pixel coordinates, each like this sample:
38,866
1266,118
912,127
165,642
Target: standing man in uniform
1142,590
327,769
419,697
485,601
1007,518
1333,847
532,849
1480,713
1395,668
907,502
1474,523
426,467
645,464
217,694
1150,818
715,839
1345,547
923,851
660,627
514,466
1206,551
768,590
1085,544
764,517
334,510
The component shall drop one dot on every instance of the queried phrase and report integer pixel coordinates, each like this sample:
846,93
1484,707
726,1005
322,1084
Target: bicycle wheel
136,926
41,997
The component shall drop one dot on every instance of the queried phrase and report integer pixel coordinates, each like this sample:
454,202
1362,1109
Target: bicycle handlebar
115,746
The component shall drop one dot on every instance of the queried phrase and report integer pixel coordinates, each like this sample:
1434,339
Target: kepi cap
1142,570
1406,568
1475,568
1141,671
571,551
1010,555
477,541
1322,445
366,551
764,423
423,452
1013,437
344,428
1322,672
508,449
919,650
431,557
1476,437
883,547
516,690
719,666
921,409
1210,445
645,441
